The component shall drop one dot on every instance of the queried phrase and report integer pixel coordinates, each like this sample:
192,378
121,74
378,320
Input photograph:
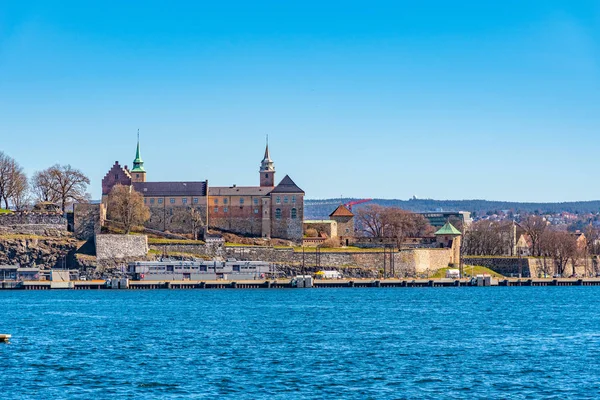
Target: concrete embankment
290,283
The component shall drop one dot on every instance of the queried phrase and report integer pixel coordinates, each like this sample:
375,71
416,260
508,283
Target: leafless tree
19,191
535,226
13,182
196,221
127,207
561,247
62,184
488,238
391,222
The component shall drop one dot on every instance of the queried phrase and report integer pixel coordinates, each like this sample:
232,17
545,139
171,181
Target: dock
298,282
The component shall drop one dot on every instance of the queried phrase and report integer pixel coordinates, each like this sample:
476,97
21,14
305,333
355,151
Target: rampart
121,246
406,263
30,223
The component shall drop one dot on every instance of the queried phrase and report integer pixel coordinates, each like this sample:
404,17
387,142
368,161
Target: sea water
516,342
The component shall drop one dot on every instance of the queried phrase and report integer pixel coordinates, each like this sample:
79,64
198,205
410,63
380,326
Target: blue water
529,342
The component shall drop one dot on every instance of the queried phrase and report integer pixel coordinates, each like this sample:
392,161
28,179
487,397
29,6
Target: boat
4,337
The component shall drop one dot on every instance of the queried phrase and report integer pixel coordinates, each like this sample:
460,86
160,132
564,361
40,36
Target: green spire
449,230
138,164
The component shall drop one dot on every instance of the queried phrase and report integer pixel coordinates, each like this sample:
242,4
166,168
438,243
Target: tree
196,221
127,207
391,222
62,184
561,247
19,191
13,182
535,226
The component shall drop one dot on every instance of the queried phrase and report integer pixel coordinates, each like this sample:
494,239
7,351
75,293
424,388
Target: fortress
267,210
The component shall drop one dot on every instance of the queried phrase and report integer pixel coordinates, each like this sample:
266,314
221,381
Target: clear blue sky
442,99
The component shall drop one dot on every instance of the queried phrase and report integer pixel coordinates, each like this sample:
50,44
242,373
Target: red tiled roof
341,211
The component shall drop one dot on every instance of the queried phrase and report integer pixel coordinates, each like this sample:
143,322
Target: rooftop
342,211
448,229
161,189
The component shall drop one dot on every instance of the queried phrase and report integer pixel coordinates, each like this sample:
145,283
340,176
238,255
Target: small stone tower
138,173
450,238
267,170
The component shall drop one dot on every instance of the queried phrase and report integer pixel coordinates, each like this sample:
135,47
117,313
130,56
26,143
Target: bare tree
196,221
391,222
19,191
535,226
561,247
127,207
62,184
370,219
13,181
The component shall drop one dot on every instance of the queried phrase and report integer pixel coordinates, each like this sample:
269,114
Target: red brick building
267,210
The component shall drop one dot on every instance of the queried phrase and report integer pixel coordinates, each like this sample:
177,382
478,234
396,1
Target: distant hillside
320,209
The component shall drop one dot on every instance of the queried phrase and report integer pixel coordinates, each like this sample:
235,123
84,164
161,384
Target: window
224,209
278,213
216,201
225,201
184,201
241,201
195,200
285,200
256,202
172,200
294,213
151,201
216,209
256,211
144,200
266,176
160,201
137,175
278,200
116,176
293,199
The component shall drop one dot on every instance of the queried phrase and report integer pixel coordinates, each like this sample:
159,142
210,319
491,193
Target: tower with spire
138,173
267,169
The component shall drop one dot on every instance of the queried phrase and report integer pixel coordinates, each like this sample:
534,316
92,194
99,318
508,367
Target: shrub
311,233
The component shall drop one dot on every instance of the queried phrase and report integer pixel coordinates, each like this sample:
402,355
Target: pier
298,282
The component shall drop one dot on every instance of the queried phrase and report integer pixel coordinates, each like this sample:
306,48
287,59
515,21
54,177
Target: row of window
294,213
171,200
286,200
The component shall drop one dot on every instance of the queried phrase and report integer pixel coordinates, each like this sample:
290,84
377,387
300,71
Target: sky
371,99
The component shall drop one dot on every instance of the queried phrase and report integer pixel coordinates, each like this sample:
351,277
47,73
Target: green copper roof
448,229
138,164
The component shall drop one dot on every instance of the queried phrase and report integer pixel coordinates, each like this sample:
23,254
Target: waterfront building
267,210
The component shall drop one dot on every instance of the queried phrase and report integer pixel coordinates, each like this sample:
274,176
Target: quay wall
112,247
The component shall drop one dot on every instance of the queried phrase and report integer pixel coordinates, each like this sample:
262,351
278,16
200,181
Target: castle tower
267,170
138,173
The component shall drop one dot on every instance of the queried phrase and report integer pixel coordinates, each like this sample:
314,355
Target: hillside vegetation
320,209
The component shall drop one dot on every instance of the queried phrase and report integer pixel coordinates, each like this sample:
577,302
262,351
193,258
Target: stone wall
121,246
345,225
287,227
507,266
407,262
175,219
87,220
328,227
32,218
